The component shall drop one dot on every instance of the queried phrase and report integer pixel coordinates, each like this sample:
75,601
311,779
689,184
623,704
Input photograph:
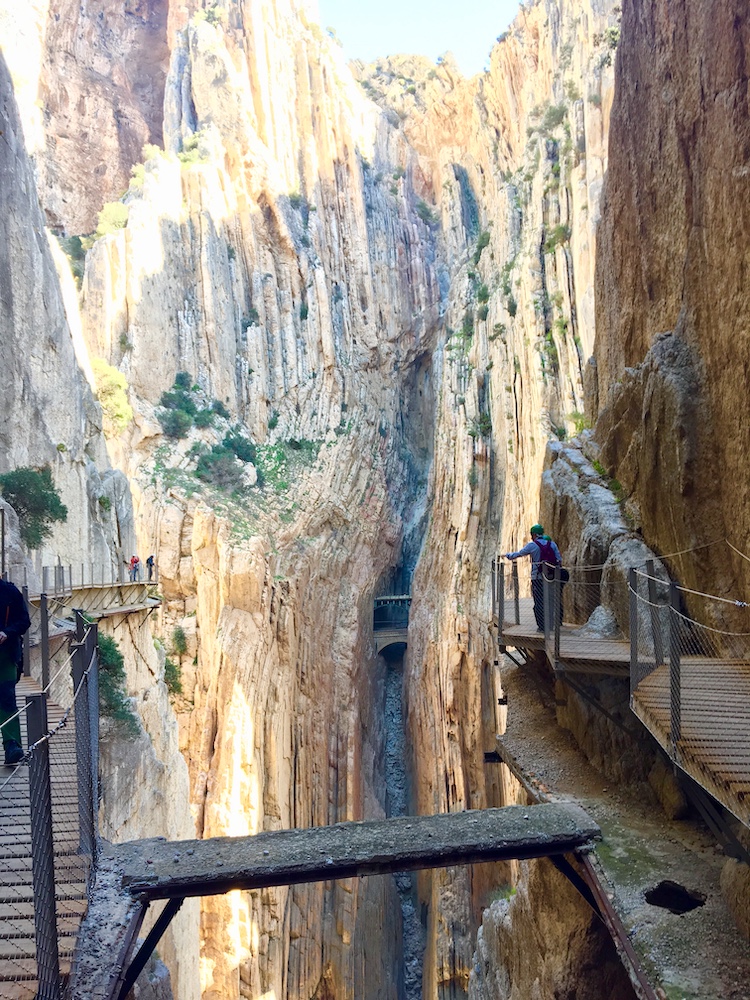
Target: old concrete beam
157,869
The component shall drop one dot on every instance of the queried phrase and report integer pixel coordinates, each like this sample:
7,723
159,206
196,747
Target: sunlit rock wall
275,266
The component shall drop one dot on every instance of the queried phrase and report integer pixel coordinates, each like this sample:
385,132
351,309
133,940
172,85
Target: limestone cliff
671,348
386,286
52,418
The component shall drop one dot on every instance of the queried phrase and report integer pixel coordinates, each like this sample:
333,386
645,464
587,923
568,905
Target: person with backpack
14,622
545,556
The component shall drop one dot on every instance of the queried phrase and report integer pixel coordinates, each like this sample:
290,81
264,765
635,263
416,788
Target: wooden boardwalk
17,944
714,748
579,652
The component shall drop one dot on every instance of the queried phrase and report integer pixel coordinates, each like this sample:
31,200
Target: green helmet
536,529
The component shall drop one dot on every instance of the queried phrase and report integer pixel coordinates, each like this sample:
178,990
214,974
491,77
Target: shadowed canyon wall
672,344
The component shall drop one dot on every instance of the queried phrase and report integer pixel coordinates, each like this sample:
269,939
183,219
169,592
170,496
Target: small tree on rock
32,494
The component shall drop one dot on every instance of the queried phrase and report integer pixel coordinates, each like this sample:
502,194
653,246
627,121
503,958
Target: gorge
400,311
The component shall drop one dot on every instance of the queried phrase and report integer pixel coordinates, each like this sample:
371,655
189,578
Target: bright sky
372,28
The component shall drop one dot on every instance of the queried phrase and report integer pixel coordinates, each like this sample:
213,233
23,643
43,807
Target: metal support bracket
140,959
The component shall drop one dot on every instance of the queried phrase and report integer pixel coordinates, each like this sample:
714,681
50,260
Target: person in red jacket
14,622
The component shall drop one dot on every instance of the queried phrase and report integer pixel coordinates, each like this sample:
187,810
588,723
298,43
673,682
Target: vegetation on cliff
33,496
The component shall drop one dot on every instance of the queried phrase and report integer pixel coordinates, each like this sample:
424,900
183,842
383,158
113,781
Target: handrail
60,580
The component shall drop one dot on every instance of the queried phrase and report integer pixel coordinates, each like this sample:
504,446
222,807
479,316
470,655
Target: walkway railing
48,824
61,580
576,617
695,676
391,612
689,680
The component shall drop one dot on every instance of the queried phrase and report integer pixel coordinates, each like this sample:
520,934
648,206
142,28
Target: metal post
45,580
516,602
43,614
633,596
83,742
494,587
655,625
557,604
501,591
26,647
92,655
42,853
674,668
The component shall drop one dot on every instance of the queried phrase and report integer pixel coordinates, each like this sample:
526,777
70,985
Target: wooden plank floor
17,951
715,715
578,653
715,745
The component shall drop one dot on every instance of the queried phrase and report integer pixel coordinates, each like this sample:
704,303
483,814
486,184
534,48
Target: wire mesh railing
48,808
575,610
60,580
696,676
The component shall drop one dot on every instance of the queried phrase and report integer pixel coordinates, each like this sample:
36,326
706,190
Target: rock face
671,286
98,72
386,283
51,417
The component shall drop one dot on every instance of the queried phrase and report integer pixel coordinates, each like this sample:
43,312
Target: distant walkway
390,622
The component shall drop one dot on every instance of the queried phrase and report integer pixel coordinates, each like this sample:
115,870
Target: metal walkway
689,682
18,944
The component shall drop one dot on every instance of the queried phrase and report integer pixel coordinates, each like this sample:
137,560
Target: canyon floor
697,955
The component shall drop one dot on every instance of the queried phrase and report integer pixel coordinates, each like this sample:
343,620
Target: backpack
547,558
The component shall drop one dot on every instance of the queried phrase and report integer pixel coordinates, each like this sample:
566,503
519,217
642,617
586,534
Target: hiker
545,555
135,569
150,567
14,622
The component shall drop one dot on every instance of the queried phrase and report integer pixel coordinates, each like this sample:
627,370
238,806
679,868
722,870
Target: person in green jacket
14,622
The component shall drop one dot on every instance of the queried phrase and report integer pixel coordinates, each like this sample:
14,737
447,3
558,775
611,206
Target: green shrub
111,391
172,677
179,640
220,410
553,116
303,311
221,468
273,420
425,213
482,242
512,306
114,703
482,312
240,446
183,380
178,399
483,293
32,494
480,426
204,418
76,253
125,344
559,235
175,423
105,503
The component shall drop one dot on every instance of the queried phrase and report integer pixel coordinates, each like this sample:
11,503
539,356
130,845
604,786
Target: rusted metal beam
157,869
